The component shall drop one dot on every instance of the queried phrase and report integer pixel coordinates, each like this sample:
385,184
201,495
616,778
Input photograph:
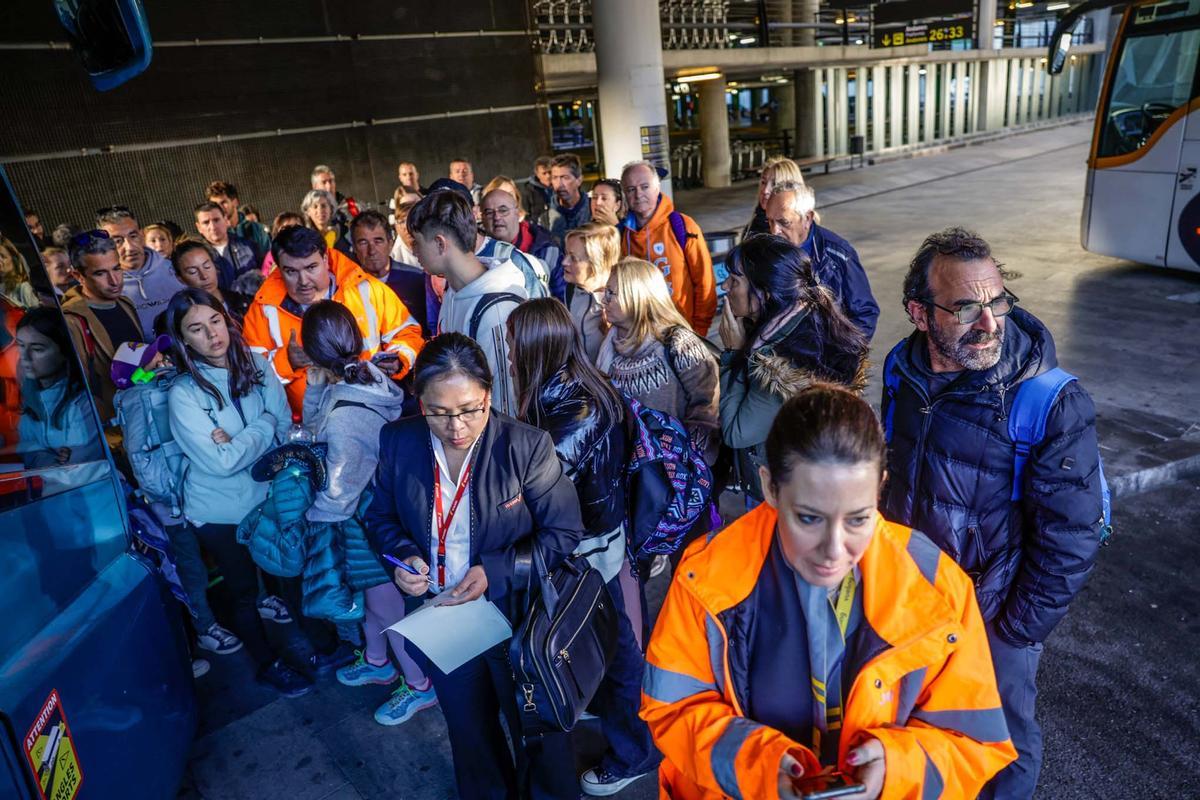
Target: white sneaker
218,640
200,667
272,609
602,783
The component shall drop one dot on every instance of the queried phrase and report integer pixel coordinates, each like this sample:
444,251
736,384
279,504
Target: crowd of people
468,364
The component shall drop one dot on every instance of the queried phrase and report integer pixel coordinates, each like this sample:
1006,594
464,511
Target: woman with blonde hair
14,276
652,354
589,253
777,170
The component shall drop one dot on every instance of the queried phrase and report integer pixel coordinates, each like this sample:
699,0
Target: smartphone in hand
826,786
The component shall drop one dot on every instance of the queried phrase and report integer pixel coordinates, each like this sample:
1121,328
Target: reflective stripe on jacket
923,680
384,321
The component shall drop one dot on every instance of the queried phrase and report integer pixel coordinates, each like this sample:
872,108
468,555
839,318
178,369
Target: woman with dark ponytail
782,331
346,402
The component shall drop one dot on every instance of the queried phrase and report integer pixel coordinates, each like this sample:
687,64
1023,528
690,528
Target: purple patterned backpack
669,482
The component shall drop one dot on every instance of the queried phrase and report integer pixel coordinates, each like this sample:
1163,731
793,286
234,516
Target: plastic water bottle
298,434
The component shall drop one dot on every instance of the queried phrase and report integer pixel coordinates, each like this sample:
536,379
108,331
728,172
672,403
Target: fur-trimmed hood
780,376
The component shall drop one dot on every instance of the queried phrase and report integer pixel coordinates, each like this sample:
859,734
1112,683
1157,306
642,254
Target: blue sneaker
362,672
404,703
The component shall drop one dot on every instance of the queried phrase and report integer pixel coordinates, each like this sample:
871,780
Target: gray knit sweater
678,376
352,433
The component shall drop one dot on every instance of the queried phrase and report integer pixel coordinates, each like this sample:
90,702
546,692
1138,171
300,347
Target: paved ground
1119,681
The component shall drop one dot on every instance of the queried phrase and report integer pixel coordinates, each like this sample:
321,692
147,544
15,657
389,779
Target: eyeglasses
85,239
466,417
969,313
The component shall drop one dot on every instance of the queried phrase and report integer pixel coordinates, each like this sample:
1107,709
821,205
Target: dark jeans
1016,677
193,573
472,697
241,578
630,751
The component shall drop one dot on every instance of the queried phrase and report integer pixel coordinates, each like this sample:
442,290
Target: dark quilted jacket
591,446
950,472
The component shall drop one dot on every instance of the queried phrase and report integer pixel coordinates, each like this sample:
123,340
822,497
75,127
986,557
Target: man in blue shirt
791,215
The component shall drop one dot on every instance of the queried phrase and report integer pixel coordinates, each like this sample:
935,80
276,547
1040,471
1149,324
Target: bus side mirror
112,38
1058,58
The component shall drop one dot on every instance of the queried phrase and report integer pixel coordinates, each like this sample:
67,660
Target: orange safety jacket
688,266
383,319
924,685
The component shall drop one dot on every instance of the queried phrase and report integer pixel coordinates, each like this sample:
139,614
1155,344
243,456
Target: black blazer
518,493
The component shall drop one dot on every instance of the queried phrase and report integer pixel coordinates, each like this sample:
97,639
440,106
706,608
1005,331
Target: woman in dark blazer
501,488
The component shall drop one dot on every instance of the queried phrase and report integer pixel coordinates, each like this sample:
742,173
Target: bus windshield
1155,75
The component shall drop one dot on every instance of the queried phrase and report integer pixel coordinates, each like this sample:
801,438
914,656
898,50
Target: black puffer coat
950,475
591,445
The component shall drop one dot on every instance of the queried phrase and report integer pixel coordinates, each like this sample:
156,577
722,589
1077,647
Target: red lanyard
443,525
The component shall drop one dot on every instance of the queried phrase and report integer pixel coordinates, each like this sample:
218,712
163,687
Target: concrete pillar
929,80
985,20
806,11
861,98
912,115
896,106
839,112
1029,87
629,72
1013,78
878,105
784,37
960,98
810,112
714,134
784,117
947,106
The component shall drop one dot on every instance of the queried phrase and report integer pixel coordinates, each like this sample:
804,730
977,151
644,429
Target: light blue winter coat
51,420
217,487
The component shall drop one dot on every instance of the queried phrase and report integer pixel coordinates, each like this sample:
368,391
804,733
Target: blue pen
393,560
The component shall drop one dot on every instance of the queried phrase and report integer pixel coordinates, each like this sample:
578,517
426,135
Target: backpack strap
487,301
354,404
891,387
1027,418
679,228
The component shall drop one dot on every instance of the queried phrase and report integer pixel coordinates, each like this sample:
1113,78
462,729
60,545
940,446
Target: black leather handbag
563,647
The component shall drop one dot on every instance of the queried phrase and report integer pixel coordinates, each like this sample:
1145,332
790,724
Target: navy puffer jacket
950,473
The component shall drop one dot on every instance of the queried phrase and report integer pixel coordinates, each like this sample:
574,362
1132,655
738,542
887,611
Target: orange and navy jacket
923,684
688,267
383,319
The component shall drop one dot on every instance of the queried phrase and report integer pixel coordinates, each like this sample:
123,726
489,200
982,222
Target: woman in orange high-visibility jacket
812,634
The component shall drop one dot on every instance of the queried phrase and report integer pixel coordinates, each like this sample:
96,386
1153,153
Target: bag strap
891,386
549,593
355,404
679,228
487,301
1027,418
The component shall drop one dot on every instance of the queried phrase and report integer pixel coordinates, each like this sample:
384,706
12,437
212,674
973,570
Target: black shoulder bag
564,646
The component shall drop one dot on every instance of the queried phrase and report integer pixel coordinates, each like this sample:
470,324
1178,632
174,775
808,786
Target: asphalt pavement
1120,695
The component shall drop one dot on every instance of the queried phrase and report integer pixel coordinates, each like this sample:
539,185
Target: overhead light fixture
674,97
858,41
839,20
1025,4
748,40
1057,6
921,71
683,88
703,76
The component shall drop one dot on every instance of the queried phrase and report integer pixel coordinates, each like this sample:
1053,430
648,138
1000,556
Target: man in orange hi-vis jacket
821,636
654,231
306,272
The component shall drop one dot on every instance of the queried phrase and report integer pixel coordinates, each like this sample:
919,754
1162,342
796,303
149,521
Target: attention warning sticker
51,752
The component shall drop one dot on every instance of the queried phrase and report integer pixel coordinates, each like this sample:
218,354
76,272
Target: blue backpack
1026,424
157,460
669,482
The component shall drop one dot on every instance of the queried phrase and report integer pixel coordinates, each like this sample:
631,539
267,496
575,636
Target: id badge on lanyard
445,519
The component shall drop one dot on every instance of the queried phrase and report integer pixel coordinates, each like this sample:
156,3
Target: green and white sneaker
404,703
363,672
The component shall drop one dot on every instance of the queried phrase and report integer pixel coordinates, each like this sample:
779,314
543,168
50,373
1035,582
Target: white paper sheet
452,635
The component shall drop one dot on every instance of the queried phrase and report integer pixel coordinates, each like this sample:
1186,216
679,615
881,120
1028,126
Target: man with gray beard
1024,524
